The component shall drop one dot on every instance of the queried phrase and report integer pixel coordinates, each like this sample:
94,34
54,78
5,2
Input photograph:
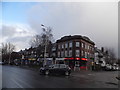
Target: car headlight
69,68
41,68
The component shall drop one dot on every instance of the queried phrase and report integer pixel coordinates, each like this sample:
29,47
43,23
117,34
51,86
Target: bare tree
7,49
111,56
35,41
41,39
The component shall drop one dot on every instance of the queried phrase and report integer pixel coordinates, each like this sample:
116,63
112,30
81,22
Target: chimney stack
102,49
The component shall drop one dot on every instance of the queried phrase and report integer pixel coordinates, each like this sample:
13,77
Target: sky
96,20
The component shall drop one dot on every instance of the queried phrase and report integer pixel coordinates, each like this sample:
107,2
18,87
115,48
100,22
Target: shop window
85,54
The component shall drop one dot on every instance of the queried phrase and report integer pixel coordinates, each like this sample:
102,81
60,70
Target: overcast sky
96,20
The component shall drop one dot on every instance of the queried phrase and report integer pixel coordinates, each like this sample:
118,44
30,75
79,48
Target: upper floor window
66,45
65,53
77,44
70,44
86,46
58,54
77,53
59,46
70,53
82,53
62,46
92,48
62,54
82,45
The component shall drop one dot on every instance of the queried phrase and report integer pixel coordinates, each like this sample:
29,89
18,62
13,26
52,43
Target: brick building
76,50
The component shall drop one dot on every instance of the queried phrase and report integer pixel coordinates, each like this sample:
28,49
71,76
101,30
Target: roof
65,38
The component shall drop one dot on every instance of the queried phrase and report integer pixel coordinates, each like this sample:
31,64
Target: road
0,77
16,77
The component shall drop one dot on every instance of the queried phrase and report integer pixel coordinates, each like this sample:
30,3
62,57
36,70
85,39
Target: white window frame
77,44
66,45
70,44
70,53
58,53
62,46
82,44
66,53
77,53
86,46
62,53
82,53
85,54
59,46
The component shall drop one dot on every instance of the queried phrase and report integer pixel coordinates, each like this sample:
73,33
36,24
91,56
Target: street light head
42,25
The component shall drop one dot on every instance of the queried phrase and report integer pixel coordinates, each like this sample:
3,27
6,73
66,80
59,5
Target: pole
45,61
45,54
9,58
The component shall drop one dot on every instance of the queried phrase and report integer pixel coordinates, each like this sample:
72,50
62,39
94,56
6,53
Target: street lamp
45,29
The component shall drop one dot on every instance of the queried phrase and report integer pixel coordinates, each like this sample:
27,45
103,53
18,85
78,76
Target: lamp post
45,29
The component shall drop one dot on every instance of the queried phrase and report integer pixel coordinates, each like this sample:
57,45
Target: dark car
2,63
108,67
56,69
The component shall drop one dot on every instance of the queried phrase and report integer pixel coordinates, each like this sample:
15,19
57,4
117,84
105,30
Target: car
114,68
118,68
2,63
108,67
56,69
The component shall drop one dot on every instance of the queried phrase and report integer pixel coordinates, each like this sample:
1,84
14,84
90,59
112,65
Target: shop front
76,62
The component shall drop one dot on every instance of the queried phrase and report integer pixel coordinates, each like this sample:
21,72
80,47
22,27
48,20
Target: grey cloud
20,42
19,39
8,31
97,20
17,35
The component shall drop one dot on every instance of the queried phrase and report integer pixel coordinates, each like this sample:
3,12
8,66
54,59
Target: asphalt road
0,77
16,77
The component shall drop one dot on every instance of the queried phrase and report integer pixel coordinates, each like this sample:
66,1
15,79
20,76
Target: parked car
56,69
114,68
117,68
108,67
2,63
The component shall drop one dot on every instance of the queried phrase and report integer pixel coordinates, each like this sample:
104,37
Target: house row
75,51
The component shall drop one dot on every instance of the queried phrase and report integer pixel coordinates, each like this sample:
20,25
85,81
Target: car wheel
46,72
67,73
